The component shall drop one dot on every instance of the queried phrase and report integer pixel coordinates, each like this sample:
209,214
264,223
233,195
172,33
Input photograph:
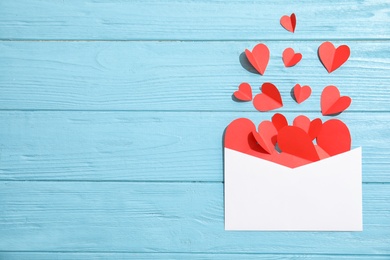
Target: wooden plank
163,217
191,20
177,256
149,146
196,76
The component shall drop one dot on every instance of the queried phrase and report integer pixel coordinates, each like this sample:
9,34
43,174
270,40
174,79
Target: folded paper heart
289,22
334,137
301,93
331,101
295,141
258,57
240,136
279,121
332,58
312,128
244,92
269,99
290,58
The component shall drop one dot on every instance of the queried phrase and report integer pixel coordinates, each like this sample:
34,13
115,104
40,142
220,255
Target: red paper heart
331,57
332,103
301,93
261,142
268,100
290,58
269,134
244,92
279,121
289,22
334,137
259,57
238,135
295,141
312,128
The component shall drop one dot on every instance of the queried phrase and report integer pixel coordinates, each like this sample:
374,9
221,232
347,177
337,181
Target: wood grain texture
163,217
196,76
192,20
178,256
112,114
149,146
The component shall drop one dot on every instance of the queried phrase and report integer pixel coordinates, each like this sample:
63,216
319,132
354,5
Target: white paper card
321,196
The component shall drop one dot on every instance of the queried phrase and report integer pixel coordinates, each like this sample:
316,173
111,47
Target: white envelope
320,196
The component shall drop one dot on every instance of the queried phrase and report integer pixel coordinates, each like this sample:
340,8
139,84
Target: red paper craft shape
289,22
312,128
331,57
244,92
331,101
259,57
268,100
334,137
301,93
290,58
293,140
279,121
241,136
268,131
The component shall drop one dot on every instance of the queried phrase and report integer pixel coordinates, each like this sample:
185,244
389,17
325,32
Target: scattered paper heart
259,57
269,99
312,128
332,58
279,121
244,92
301,93
290,58
331,101
289,22
334,137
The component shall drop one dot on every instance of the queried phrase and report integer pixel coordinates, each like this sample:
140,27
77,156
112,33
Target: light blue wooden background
112,114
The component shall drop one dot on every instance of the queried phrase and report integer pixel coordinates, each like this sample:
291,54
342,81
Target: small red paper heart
261,142
259,57
268,100
289,22
290,58
244,92
310,127
332,102
279,121
331,57
334,137
269,133
301,93
295,141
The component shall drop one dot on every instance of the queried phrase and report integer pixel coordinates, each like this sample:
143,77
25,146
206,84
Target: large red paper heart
334,137
311,127
301,93
295,141
244,92
332,102
331,57
290,58
238,135
289,22
268,100
259,57
279,121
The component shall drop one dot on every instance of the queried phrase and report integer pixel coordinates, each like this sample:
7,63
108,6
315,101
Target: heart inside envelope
287,145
